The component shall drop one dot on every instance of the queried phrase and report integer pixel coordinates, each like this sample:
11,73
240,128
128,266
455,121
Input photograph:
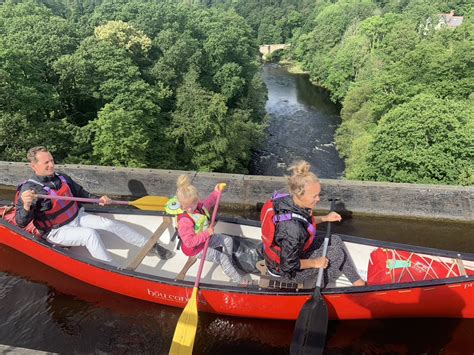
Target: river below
302,125
43,309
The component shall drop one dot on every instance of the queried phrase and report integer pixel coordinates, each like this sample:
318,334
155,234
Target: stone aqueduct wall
247,191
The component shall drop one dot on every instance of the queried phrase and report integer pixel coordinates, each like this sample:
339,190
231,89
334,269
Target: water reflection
401,336
302,126
49,311
45,310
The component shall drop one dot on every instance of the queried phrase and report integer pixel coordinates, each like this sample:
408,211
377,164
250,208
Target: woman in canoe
194,229
296,253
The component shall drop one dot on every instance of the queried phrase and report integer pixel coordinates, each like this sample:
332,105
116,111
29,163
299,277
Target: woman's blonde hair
185,190
300,176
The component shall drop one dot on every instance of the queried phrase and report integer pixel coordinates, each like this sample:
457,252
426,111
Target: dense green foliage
129,83
272,21
175,84
425,140
406,85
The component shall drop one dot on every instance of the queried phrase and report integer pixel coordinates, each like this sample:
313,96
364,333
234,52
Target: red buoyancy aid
61,212
269,219
200,210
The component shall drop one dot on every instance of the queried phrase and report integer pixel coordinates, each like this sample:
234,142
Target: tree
348,60
108,80
427,140
330,25
212,137
32,40
124,112
121,138
269,33
124,35
178,51
228,79
17,135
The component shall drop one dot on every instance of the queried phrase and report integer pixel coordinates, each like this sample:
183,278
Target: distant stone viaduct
270,48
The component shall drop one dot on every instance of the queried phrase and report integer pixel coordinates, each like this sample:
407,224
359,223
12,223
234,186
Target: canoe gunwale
259,291
345,237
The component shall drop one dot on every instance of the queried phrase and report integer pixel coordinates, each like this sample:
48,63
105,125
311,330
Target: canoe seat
270,281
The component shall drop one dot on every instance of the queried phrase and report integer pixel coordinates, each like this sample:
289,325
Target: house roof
450,20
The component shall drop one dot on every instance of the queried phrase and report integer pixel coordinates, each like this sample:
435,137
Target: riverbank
296,68
292,67
454,203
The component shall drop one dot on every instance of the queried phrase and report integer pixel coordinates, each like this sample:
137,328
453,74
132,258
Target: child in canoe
194,229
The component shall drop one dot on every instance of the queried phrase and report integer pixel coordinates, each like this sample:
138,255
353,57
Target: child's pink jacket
193,243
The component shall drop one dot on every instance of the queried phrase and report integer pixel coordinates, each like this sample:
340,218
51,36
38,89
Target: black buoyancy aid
61,212
269,219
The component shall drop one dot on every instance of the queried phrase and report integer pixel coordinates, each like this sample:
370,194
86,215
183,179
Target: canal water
43,309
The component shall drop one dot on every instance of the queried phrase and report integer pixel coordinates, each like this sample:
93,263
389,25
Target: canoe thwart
190,262
167,223
461,267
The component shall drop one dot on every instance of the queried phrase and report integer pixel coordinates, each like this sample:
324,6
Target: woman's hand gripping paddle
185,332
311,326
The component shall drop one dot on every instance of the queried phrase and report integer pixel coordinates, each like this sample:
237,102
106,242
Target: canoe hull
452,298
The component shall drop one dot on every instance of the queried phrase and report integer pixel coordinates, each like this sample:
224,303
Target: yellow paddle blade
150,203
185,332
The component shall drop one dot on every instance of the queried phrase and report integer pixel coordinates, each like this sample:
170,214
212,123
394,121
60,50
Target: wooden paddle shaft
321,269
81,199
206,245
325,246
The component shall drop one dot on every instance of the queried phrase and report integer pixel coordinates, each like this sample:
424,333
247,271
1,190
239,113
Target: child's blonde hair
300,176
185,190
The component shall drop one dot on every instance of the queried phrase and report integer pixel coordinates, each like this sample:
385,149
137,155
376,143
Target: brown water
43,309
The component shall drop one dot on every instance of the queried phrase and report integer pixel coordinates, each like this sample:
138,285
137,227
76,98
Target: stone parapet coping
248,191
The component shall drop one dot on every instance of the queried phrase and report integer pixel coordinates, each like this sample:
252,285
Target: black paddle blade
311,326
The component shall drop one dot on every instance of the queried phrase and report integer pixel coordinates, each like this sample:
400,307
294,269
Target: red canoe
404,281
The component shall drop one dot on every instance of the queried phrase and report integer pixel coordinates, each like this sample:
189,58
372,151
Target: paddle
185,332
149,203
311,326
